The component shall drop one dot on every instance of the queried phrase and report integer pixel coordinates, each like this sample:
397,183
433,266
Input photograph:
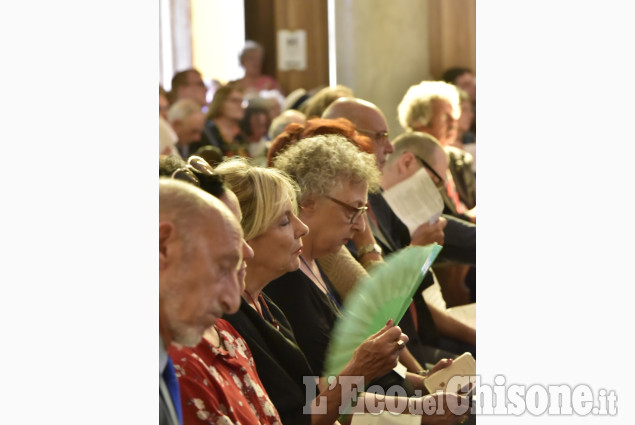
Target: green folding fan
385,294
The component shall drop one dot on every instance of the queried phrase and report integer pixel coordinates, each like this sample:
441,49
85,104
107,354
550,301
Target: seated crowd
271,211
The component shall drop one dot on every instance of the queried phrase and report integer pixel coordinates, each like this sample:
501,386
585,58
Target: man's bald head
200,253
190,208
368,119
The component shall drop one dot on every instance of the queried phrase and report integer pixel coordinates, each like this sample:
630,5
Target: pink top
264,82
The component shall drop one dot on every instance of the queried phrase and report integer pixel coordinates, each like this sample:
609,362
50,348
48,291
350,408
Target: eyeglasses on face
375,135
355,211
440,180
194,163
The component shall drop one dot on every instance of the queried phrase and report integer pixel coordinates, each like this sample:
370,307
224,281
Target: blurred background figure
164,103
273,100
279,123
464,79
255,125
187,120
167,139
188,84
254,80
222,128
167,136
316,104
465,138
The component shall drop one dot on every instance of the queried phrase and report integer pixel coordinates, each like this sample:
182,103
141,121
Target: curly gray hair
321,163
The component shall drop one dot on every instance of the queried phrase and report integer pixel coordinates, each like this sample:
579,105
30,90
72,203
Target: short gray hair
420,144
182,109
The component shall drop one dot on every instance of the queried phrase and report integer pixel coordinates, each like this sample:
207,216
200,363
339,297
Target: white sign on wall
292,50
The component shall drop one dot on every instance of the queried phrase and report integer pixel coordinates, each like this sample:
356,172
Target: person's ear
166,234
406,161
177,125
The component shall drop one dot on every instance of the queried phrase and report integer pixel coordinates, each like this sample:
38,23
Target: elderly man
188,121
368,120
200,254
433,107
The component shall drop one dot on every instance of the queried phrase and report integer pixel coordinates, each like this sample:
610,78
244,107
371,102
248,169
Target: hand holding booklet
455,378
415,200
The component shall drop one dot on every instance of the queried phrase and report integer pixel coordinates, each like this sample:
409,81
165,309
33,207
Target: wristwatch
366,249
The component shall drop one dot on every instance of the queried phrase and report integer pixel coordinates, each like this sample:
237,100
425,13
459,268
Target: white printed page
415,200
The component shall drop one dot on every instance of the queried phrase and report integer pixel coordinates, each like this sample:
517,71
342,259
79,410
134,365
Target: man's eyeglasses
376,135
440,180
355,211
194,163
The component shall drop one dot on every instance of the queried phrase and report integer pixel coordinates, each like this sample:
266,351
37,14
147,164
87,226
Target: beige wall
382,49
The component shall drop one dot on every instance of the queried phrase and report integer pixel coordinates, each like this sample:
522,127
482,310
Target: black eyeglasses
356,211
195,163
441,181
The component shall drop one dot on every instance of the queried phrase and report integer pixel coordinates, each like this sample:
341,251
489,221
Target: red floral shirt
220,385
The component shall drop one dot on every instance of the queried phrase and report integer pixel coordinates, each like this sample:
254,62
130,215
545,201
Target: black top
312,313
211,136
280,363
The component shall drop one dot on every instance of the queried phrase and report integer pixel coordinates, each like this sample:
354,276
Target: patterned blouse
219,385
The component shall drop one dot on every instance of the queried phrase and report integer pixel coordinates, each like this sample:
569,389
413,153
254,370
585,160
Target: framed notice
292,50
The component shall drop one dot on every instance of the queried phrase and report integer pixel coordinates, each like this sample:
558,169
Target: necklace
321,283
270,318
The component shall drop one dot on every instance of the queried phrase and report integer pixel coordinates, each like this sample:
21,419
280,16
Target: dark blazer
460,235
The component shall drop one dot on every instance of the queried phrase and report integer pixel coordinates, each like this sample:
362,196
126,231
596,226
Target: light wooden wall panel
452,34
309,15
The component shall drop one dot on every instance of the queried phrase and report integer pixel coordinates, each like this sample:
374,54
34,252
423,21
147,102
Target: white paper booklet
415,200
459,374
